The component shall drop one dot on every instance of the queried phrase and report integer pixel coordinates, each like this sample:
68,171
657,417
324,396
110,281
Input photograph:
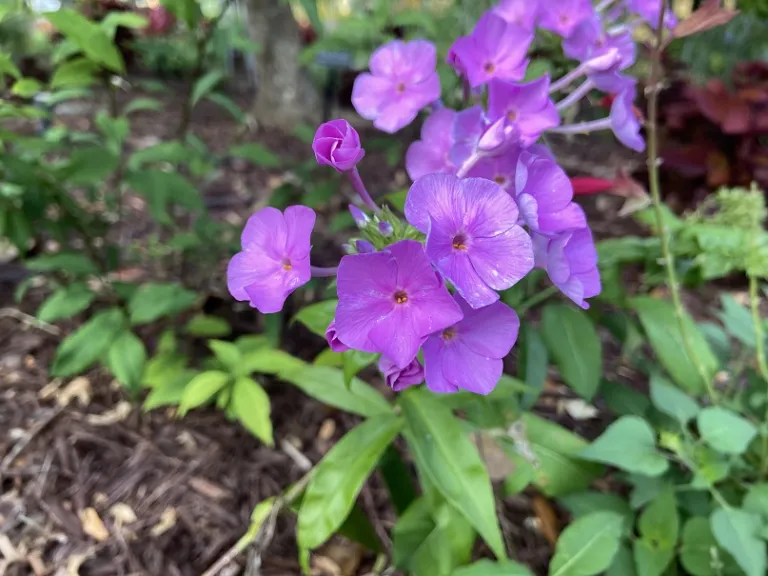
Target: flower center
564,18
500,180
449,333
401,88
460,242
401,297
489,68
512,115
287,264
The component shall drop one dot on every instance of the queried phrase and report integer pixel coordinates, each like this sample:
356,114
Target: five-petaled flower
526,106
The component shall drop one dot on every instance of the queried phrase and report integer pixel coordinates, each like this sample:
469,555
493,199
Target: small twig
294,454
24,441
28,320
378,527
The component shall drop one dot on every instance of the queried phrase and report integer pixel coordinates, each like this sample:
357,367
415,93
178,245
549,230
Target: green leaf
397,199
583,503
152,301
205,326
532,364
113,20
623,563
452,463
228,354
141,104
340,476
204,85
69,262
588,545
66,302
90,39
89,166
354,361
188,11
256,154
202,388
737,320
724,430
624,400
575,346
227,104
26,87
737,532
558,469
162,368
88,343
537,68
251,404
658,526
672,401
660,324
398,478
699,553
161,189
756,500
7,67
126,358
629,444
317,316
170,392
171,152
488,568
78,72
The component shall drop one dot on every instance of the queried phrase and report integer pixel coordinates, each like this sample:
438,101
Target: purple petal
569,218
503,260
425,158
396,338
400,378
269,295
421,59
457,267
266,230
246,268
438,126
432,196
388,59
490,331
299,222
333,340
485,208
469,371
370,94
395,115
433,367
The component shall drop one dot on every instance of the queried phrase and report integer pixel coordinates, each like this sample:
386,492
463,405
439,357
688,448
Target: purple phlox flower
472,234
649,10
401,378
562,16
522,13
360,217
431,154
385,228
275,257
544,195
624,121
495,49
570,260
337,144
472,134
333,340
391,301
499,168
526,106
364,247
469,355
402,81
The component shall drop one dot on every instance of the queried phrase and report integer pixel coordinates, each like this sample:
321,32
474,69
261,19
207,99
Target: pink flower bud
337,144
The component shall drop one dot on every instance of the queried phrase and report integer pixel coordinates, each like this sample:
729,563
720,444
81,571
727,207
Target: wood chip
548,524
123,514
8,550
79,388
36,563
93,525
208,489
117,414
166,522
327,429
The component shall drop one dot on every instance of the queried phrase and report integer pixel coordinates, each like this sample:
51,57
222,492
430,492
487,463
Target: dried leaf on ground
548,524
496,460
93,525
166,522
79,388
208,488
117,414
123,514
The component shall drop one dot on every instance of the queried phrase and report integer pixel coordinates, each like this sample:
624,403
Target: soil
92,485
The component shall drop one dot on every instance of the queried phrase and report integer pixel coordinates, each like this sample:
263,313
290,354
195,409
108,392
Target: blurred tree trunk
285,95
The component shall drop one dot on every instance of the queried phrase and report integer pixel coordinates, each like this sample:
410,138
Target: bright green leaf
66,302
188,11
756,500
737,320
256,154
204,85
317,316
89,166
88,37
70,262
141,104
340,476
126,359
725,431
537,68
170,151
78,72
170,392
699,553
88,343
251,404
116,19
354,361
452,463
228,354
658,526
629,444
152,301
672,401
26,87
588,545
488,568
575,346
623,563
737,532
161,189
162,368
201,389
532,364
582,503
205,326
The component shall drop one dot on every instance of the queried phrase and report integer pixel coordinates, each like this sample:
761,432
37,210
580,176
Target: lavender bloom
472,234
527,107
468,126
495,49
431,154
361,218
563,16
275,257
500,168
649,10
522,13
570,260
364,247
469,355
624,122
385,228
391,301
544,195
402,81
401,378
333,340
337,144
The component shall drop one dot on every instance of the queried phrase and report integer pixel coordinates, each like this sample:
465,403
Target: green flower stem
754,304
536,299
662,231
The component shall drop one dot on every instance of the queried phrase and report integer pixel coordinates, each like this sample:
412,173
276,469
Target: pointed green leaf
251,404
725,431
207,326
317,316
672,401
658,526
629,444
699,553
532,365
204,85
88,343
228,354
452,463
623,563
340,476
588,545
89,38
66,302
126,359
169,393
201,389
256,154
152,301
69,262
77,72
737,532
488,568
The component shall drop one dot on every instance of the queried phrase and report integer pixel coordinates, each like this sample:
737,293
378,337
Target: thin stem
583,127
468,164
754,303
323,271
575,96
568,79
603,5
536,299
357,184
655,189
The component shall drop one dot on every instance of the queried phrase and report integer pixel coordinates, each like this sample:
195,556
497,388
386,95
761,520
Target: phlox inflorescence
488,204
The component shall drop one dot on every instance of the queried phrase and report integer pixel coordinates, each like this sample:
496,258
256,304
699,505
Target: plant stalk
754,304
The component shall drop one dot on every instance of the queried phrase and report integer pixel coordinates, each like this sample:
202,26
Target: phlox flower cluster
488,204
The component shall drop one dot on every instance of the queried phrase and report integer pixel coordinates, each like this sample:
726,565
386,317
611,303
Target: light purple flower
522,13
337,144
333,340
544,195
624,122
391,301
431,154
402,81
468,126
570,260
649,10
562,16
527,107
500,168
364,247
495,49
401,378
469,355
275,257
472,234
